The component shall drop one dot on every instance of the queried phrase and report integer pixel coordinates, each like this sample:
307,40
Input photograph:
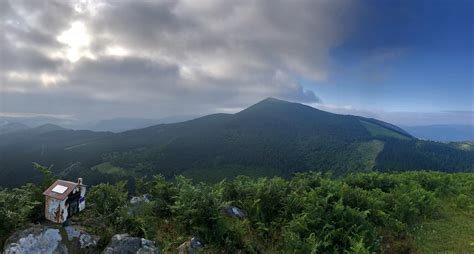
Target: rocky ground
55,239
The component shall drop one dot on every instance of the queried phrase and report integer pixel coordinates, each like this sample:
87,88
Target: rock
79,239
72,233
136,202
37,239
50,239
126,244
233,211
192,246
86,241
139,199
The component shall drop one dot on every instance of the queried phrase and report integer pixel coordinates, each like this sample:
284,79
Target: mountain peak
269,103
272,100
273,107
49,126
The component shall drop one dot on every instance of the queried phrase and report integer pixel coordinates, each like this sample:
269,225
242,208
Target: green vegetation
308,213
466,146
376,131
417,154
23,205
451,232
214,175
108,168
270,138
368,153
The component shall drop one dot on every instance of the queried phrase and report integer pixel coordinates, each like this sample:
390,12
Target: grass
369,151
108,168
379,131
453,232
466,146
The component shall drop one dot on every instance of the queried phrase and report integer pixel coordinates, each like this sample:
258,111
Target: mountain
19,128
34,121
45,128
12,127
113,124
272,137
125,124
18,150
443,132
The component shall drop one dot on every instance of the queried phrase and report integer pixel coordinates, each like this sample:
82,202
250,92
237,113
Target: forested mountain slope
272,137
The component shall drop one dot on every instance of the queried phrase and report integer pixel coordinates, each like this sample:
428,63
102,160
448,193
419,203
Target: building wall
55,210
82,201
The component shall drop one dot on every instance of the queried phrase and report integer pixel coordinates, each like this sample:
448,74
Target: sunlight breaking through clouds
51,79
156,51
77,40
178,56
117,51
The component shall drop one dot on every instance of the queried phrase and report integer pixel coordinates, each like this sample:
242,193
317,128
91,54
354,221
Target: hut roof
60,189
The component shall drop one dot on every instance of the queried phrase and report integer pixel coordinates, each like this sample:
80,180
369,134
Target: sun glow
51,79
77,40
117,51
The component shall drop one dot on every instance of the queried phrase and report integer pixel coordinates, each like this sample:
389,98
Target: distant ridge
47,128
13,127
124,124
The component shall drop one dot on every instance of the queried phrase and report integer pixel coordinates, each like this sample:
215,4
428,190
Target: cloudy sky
407,62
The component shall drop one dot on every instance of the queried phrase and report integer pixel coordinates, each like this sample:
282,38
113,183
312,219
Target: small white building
64,199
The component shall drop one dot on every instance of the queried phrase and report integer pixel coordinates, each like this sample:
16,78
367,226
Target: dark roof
61,184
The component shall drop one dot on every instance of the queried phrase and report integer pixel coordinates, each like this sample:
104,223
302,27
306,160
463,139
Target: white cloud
48,79
117,51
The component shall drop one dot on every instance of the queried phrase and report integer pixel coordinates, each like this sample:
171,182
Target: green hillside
272,137
410,212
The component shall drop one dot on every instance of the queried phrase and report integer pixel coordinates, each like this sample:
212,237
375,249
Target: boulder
37,239
50,239
126,244
79,239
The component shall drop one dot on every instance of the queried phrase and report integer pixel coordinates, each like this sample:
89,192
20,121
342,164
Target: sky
405,62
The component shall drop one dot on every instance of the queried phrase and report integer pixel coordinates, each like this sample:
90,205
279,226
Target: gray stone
50,240
233,211
137,201
72,233
87,241
79,239
126,244
36,239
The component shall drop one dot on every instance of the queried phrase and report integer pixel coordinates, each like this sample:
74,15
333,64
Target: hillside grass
108,168
369,151
452,232
379,131
466,146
